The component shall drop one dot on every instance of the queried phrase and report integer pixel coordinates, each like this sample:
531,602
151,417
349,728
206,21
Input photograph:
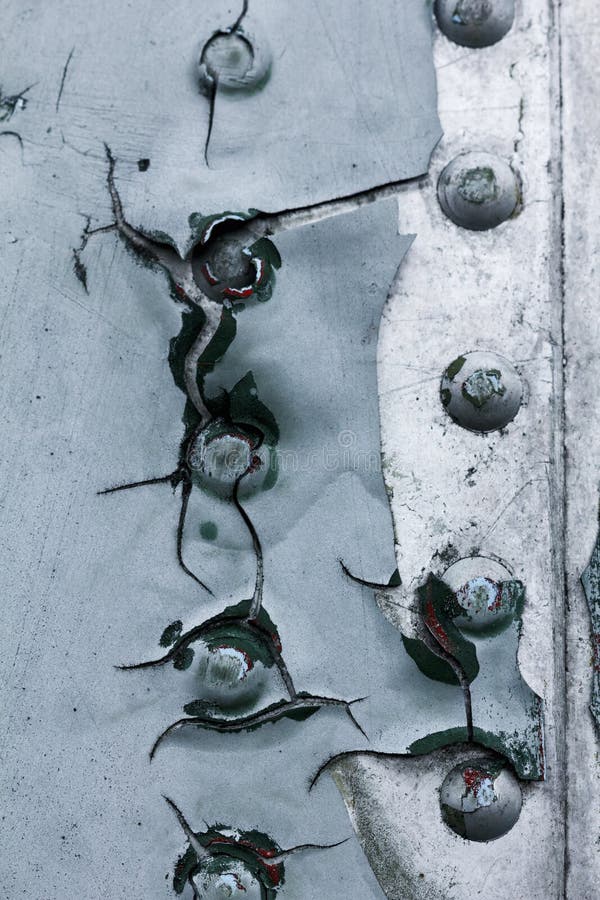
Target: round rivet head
222,453
223,457
230,676
487,592
227,261
475,23
234,61
480,799
481,391
224,878
479,191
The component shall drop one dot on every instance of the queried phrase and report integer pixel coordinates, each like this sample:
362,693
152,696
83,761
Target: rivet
229,264
478,190
475,23
481,391
487,592
221,454
224,877
230,676
225,261
480,799
233,60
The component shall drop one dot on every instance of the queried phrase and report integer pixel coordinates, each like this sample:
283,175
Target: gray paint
86,419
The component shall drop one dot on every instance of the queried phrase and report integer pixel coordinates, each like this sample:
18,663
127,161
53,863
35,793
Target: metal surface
475,23
479,191
88,399
455,492
480,799
481,391
580,230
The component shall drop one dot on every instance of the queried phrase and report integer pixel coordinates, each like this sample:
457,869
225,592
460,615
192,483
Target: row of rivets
480,799
481,390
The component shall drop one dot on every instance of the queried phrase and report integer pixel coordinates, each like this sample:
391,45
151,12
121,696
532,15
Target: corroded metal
480,799
112,346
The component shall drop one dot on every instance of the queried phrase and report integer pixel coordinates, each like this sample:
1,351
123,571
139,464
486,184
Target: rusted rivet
221,454
487,592
480,799
478,191
481,391
224,457
234,60
475,23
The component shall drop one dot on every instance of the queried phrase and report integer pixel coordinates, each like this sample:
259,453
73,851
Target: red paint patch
436,628
273,871
473,779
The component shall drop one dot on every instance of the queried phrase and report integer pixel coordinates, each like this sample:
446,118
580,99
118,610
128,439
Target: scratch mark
19,139
64,78
272,713
211,116
79,266
237,24
508,505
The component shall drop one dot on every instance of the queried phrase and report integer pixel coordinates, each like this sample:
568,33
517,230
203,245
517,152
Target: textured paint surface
350,103
91,400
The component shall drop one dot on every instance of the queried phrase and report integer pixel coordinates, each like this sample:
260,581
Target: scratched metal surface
500,493
581,126
87,372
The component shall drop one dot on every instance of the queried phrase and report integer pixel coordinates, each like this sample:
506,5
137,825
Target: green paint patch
240,637
439,607
171,634
183,659
438,740
263,620
455,367
209,531
523,750
481,386
246,408
478,185
430,665
251,848
395,580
